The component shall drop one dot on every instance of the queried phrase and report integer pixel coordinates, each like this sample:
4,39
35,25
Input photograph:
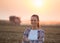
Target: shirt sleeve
42,34
26,32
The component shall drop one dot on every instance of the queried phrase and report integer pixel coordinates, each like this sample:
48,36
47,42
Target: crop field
14,33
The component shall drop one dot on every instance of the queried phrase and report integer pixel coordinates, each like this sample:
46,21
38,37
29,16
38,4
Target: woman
34,34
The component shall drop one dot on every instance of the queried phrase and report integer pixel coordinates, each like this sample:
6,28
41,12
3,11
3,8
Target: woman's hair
37,19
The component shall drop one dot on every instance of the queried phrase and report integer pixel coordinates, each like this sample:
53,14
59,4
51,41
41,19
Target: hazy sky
49,10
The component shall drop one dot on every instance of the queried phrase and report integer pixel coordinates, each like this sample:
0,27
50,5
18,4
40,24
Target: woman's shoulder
41,30
26,31
27,28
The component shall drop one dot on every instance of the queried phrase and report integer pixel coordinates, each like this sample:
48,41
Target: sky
48,10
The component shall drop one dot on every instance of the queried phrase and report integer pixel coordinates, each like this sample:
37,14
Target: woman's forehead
33,18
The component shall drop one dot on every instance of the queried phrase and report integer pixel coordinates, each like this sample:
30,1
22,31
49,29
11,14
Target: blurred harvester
15,20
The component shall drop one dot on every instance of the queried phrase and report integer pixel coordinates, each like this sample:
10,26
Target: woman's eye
33,20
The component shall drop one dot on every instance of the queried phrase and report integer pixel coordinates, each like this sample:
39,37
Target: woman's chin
33,26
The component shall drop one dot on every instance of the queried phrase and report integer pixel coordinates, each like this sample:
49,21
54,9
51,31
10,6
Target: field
14,33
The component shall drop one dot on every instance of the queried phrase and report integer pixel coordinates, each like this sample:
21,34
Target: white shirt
33,35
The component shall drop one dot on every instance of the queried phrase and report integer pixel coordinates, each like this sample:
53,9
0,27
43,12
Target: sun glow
37,3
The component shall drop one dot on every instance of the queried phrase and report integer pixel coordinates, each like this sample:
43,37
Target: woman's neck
34,28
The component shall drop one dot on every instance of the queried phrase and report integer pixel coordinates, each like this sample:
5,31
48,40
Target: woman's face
34,21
